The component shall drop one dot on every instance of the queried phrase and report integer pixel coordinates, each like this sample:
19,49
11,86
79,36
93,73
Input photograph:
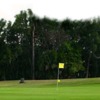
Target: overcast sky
58,9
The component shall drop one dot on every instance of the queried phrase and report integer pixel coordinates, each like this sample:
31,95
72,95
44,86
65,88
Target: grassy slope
74,89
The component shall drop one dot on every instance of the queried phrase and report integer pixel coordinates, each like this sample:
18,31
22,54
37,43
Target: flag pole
60,66
58,78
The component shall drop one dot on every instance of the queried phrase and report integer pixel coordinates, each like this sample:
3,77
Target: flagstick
57,84
61,65
58,78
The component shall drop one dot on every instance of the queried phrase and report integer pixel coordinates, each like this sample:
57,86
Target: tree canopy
73,42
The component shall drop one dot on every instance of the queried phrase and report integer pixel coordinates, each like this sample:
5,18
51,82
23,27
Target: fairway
71,89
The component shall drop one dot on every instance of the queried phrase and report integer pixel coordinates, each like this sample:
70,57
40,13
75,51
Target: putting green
75,89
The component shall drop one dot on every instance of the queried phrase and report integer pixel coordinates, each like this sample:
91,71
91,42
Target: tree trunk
88,66
33,52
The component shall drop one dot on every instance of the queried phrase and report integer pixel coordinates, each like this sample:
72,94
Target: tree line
31,47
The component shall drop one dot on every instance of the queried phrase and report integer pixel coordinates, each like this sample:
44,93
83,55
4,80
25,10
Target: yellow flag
61,65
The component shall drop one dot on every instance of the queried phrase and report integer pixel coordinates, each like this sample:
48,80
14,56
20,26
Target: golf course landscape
47,58
69,89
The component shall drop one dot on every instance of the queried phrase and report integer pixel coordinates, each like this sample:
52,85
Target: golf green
71,89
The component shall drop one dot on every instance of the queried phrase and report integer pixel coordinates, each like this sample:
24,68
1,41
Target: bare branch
96,56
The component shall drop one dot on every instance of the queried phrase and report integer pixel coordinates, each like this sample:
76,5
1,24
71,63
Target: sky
54,9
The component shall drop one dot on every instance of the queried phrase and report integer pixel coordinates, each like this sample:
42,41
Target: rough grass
71,89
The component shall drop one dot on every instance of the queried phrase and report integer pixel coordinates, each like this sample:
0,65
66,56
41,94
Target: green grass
71,89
